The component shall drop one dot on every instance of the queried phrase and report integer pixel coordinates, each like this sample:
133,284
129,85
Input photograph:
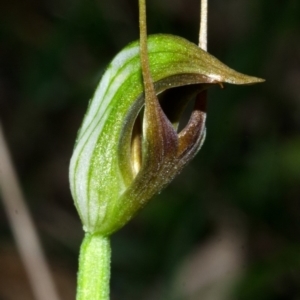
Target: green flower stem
94,268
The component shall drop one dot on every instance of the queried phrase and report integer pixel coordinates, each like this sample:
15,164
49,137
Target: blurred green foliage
52,56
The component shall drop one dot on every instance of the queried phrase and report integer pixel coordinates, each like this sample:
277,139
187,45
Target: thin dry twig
203,25
23,228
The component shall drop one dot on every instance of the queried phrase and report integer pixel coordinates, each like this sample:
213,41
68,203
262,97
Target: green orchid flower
128,150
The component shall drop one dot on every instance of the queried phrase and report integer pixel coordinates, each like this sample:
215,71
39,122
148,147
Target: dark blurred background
228,228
